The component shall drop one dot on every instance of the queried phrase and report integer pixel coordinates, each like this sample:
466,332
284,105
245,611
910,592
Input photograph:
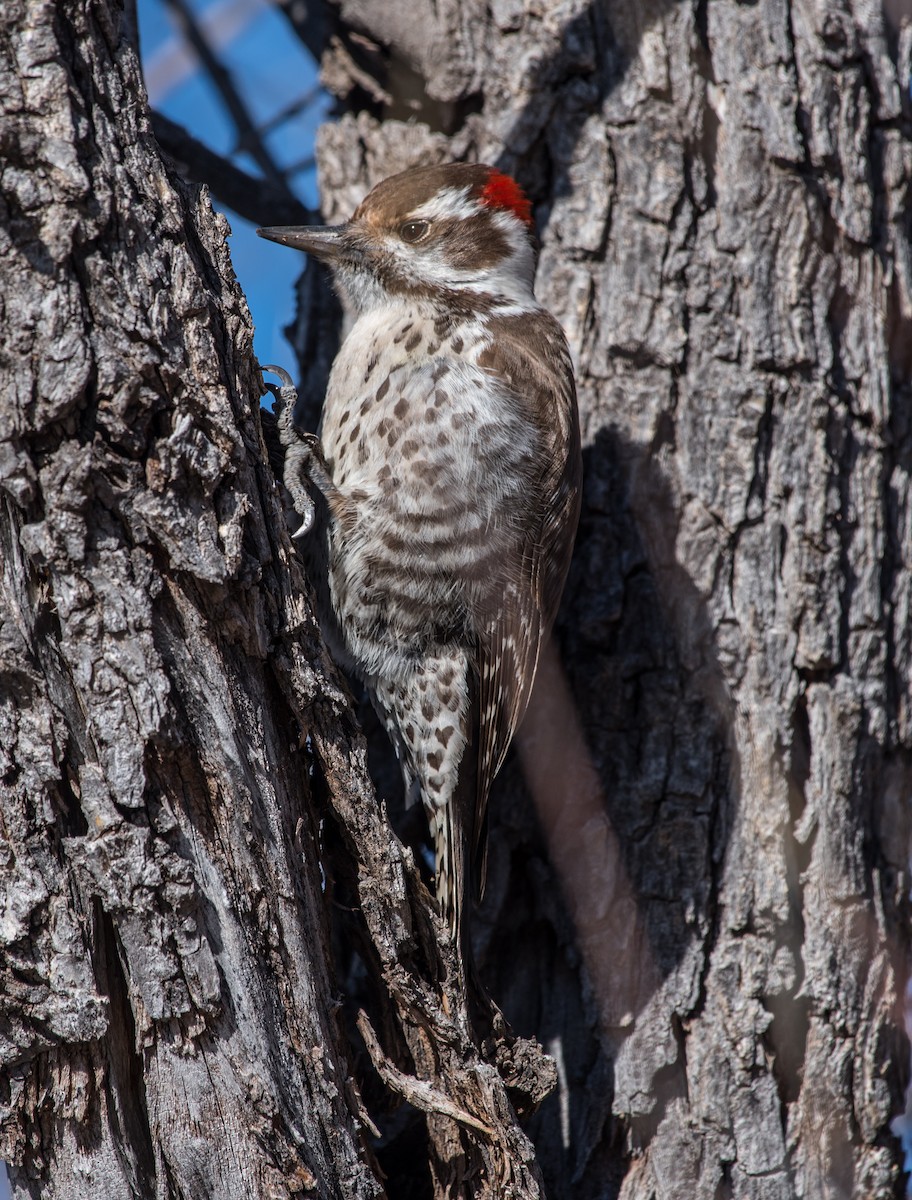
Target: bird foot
304,460
286,397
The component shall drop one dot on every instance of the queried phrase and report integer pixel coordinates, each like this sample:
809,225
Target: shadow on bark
614,890
601,973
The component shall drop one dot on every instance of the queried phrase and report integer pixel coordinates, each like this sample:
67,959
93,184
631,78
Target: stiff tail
450,859
454,839
456,891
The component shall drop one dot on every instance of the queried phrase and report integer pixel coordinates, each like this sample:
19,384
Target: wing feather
521,602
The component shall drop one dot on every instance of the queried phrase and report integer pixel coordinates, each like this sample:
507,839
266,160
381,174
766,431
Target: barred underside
450,434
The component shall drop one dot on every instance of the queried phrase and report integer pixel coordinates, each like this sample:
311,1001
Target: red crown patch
503,192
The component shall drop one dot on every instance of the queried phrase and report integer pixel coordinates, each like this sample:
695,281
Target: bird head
426,234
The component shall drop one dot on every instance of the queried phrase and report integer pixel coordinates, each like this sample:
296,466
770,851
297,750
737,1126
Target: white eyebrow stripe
451,202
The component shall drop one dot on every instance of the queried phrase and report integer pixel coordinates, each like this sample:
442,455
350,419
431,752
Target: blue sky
271,69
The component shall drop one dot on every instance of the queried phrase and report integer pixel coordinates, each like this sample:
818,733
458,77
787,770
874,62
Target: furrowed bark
168,1015
167,1009
717,955
709,932
183,781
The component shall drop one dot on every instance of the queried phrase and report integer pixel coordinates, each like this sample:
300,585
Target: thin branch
258,200
419,1092
248,137
290,110
305,164
308,19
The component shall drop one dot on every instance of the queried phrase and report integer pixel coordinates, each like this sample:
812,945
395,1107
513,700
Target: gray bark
174,744
698,867
716,953
167,1013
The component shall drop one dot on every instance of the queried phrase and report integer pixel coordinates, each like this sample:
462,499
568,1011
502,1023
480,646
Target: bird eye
413,231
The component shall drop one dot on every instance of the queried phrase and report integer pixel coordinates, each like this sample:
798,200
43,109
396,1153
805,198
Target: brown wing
524,596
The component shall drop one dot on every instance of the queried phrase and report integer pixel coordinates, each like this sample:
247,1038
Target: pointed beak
322,241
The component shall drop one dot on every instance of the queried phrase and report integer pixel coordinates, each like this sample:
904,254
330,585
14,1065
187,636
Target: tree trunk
716,956
705,924
179,762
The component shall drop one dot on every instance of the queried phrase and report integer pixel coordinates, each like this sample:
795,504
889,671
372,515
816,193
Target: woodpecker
448,456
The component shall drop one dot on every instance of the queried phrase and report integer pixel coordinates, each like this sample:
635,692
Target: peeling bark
167,1010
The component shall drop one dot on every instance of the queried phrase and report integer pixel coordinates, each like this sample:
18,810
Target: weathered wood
723,195
174,742
167,1011
721,767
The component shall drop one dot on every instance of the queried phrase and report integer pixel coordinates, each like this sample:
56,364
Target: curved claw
306,525
286,379
286,398
304,461
297,475
314,446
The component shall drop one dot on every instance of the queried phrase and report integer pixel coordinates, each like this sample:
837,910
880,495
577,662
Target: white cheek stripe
511,279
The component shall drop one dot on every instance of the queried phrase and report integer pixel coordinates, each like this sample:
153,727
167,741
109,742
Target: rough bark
179,763
707,924
167,1013
723,192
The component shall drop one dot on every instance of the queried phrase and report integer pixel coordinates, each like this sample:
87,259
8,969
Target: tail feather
454,836
450,856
